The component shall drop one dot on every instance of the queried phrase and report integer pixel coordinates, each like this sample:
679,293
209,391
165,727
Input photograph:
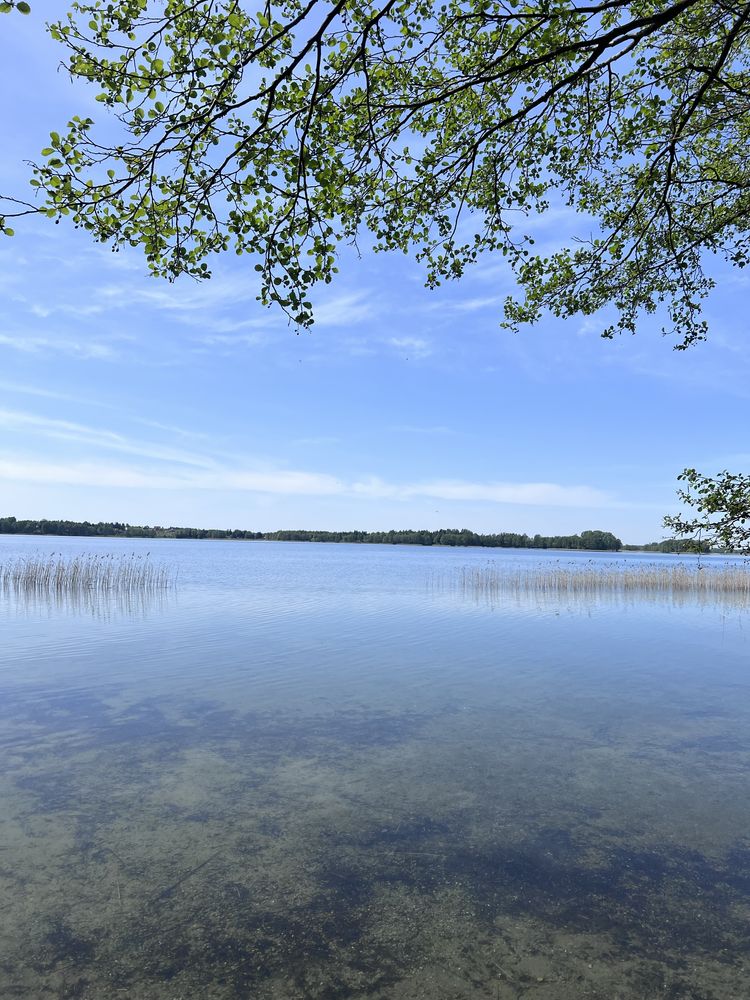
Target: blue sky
125,398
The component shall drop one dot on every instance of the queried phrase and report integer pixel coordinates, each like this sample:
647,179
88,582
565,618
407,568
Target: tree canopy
720,510
435,128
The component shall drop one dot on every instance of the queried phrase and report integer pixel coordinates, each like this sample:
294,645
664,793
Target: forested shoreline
586,540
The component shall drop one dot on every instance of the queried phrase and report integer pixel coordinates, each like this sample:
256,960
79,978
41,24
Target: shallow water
320,771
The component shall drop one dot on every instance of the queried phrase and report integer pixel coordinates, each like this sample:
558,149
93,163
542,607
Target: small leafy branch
722,507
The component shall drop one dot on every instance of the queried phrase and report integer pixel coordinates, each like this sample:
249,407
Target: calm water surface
323,771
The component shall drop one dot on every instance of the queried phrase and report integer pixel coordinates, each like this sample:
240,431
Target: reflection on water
340,784
127,604
720,582
553,598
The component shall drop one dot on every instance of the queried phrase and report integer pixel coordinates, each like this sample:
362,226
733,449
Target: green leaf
23,7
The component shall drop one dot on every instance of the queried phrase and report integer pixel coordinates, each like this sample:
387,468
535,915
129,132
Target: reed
731,579
90,573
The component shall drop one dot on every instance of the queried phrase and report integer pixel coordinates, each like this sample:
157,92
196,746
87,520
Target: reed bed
699,579
92,573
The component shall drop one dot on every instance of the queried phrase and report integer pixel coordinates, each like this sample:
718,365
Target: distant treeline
671,545
601,540
455,536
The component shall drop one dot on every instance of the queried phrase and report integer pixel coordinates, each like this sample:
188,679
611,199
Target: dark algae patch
160,849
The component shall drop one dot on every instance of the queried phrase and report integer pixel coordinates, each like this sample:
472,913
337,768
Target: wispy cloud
22,389
184,296
525,494
465,305
232,340
92,437
171,428
413,347
213,306
163,466
344,310
280,482
291,482
94,350
475,304
359,347
76,311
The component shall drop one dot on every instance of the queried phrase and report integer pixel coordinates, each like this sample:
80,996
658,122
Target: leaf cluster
433,128
722,509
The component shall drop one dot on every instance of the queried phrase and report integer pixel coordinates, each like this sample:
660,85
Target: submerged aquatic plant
88,573
595,578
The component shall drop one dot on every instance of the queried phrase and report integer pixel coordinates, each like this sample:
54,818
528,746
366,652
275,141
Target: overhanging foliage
286,131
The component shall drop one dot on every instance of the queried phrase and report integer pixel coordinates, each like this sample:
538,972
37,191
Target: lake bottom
544,841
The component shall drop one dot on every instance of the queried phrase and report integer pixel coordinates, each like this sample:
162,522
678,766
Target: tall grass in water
669,580
95,573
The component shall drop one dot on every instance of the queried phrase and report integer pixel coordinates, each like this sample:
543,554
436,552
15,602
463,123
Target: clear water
311,772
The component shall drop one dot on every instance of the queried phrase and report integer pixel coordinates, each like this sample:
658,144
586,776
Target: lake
326,771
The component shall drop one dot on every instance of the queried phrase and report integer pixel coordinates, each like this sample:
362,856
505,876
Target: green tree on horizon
409,536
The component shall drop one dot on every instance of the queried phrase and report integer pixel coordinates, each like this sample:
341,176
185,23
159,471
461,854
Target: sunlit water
320,771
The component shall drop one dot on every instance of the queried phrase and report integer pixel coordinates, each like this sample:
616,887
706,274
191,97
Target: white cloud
232,340
359,347
289,482
343,310
170,428
33,390
285,482
77,312
80,474
525,494
213,305
472,305
19,388
92,437
417,347
475,304
280,482
179,469
32,344
182,296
